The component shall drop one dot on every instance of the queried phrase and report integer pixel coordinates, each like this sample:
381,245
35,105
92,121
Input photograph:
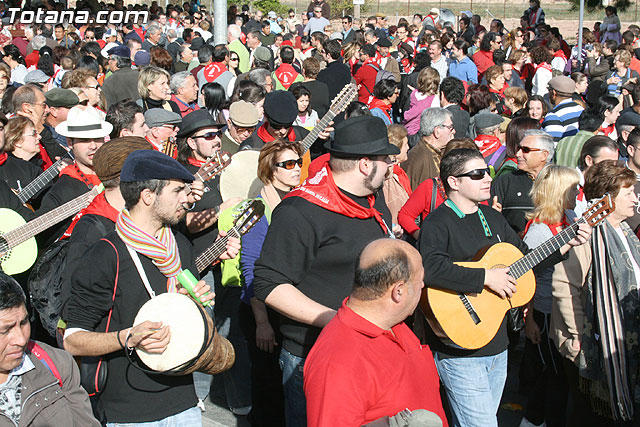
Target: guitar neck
38,184
308,141
214,251
37,225
542,252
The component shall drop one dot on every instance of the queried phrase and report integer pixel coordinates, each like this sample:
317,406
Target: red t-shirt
357,373
366,76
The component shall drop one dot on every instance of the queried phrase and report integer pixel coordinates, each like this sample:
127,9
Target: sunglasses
209,136
476,174
277,127
234,59
289,164
527,150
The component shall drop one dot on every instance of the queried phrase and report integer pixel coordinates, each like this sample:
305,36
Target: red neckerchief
555,227
98,206
545,66
403,179
214,70
607,130
321,190
286,75
265,136
307,49
380,104
406,65
46,160
72,170
580,196
155,147
3,158
487,144
195,162
371,61
560,54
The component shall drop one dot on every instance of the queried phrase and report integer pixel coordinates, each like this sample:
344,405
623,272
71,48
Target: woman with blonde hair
514,41
154,89
421,98
350,54
553,194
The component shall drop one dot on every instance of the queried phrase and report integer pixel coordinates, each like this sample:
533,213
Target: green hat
61,98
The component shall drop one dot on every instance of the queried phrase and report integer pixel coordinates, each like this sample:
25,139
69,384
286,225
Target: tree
593,5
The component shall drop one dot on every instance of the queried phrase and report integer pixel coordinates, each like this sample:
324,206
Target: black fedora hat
197,120
360,137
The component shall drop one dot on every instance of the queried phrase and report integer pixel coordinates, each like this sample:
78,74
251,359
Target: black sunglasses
279,127
476,174
289,164
209,136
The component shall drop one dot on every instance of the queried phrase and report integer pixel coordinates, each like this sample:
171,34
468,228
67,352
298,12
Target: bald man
366,363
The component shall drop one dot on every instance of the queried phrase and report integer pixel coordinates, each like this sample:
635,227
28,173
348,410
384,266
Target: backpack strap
35,349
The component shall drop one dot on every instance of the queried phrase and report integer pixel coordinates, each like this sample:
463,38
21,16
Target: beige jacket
567,312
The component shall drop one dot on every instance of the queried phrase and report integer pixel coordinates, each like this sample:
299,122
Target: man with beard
308,257
107,296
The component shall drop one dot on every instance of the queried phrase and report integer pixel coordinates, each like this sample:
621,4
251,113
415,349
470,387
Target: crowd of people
456,137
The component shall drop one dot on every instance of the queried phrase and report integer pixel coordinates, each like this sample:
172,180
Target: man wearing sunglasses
242,121
512,189
308,258
473,379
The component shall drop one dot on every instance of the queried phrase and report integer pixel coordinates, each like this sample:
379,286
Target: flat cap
156,117
121,51
244,114
197,120
143,165
272,14
487,120
434,11
110,157
563,84
197,43
281,108
262,53
36,76
58,97
142,58
383,42
629,118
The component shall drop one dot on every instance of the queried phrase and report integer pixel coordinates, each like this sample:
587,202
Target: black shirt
15,169
337,75
315,250
129,395
513,190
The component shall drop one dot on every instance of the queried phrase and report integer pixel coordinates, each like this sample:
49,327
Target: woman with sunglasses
234,63
554,197
21,144
279,169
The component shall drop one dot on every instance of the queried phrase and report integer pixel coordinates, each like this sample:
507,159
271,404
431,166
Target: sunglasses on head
289,164
527,150
476,174
209,136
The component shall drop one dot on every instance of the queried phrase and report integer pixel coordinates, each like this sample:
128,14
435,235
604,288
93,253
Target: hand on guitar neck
326,133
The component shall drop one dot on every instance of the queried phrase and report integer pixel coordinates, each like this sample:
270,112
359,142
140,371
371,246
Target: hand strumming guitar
499,281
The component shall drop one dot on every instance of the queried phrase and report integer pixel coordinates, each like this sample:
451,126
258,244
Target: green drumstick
189,282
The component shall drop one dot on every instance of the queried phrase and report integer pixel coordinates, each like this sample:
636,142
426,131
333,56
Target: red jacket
366,79
419,204
483,61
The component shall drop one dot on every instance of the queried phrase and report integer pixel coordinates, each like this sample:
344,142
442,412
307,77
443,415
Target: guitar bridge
470,309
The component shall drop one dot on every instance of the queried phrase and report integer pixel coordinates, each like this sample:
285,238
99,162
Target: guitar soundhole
5,251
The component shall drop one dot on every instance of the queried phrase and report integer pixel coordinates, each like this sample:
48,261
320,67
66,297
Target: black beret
361,136
143,165
281,108
383,42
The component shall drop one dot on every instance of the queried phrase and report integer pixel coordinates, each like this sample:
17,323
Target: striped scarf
163,251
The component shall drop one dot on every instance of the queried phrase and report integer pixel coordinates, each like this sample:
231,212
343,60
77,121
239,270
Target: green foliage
338,6
593,5
268,5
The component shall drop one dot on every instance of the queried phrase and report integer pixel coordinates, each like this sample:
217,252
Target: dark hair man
127,119
337,74
455,232
285,75
451,97
154,192
40,384
306,265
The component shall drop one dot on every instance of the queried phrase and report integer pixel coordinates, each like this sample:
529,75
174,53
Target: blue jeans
190,417
295,404
474,387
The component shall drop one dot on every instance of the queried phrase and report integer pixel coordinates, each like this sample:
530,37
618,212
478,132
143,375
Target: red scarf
406,65
3,158
214,70
46,160
286,75
72,170
607,130
321,190
560,54
403,179
555,227
307,49
98,206
487,144
380,104
545,66
195,162
264,134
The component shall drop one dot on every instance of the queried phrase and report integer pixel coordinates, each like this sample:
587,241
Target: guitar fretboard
540,253
37,225
308,140
41,180
214,251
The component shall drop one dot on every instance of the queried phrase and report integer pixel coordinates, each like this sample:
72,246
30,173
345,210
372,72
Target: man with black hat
562,120
122,83
163,126
308,258
142,256
385,60
59,102
280,111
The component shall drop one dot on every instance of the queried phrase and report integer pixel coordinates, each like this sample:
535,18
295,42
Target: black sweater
444,239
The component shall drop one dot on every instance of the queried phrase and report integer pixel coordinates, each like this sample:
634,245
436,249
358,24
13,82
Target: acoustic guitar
18,247
251,213
470,321
338,105
43,179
